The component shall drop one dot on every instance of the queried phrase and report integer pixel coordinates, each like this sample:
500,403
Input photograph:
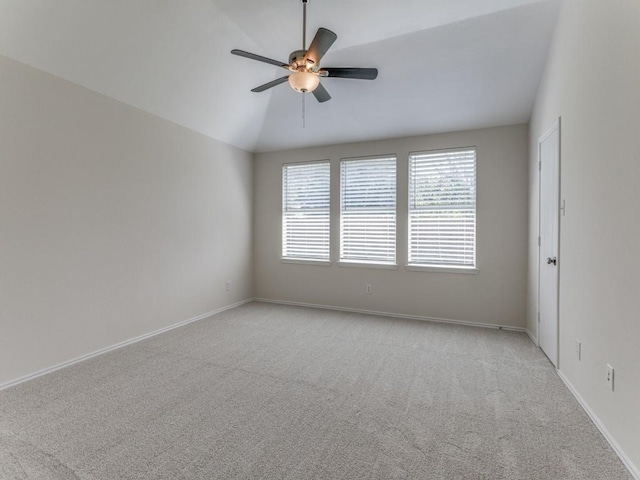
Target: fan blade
321,94
268,85
357,73
321,43
253,56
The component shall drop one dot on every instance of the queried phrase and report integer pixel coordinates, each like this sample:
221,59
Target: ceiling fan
305,64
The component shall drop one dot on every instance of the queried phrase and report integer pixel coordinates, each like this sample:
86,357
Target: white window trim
306,261
378,265
443,269
391,265
298,260
466,270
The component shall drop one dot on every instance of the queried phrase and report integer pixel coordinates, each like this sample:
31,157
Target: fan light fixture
304,82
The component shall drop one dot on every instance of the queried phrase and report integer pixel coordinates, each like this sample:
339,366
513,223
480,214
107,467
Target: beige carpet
276,392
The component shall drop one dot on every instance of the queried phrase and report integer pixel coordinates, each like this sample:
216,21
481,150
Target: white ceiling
444,65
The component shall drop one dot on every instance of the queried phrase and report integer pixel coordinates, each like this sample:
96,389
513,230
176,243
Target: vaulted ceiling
444,65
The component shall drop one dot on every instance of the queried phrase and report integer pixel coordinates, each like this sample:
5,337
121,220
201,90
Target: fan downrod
304,23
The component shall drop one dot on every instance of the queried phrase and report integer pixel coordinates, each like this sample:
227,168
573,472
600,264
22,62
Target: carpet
278,392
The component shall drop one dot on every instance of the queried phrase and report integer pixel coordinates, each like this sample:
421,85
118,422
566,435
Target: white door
549,259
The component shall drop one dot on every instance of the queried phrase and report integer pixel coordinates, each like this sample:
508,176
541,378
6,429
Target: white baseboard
82,358
633,470
532,337
393,315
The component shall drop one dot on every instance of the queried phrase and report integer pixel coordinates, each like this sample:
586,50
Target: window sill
383,266
300,261
433,268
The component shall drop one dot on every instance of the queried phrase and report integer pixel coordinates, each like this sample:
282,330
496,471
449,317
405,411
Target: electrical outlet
579,349
228,284
610,376
368,288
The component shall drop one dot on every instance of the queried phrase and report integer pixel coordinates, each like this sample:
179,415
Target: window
442,208
305,211
368,210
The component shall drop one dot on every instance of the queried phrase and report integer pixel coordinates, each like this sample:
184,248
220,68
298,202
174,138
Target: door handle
553,260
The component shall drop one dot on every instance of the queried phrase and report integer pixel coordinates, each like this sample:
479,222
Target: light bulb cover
304,81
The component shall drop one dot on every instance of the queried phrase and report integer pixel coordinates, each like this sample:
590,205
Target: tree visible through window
442,208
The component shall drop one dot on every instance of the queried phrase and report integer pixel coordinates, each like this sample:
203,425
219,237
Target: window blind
442,208
368,210
305,211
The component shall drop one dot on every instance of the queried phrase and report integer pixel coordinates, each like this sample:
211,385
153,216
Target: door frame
557,125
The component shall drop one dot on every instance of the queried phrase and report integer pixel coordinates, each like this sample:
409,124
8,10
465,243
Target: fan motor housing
296,59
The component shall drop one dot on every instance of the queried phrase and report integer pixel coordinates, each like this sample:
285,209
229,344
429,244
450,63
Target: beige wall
495,295
113,223
592,81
